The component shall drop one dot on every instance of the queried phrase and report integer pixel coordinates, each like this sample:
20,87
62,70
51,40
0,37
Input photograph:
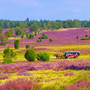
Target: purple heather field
26,68
65,37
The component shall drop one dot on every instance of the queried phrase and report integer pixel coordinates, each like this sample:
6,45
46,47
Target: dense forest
45,24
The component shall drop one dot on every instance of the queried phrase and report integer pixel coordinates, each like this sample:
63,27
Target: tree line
45,24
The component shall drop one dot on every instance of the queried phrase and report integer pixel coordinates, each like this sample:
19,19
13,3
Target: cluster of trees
30,55
45,24
87,37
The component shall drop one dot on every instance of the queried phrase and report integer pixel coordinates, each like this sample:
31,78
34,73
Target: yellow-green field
50,79
61,47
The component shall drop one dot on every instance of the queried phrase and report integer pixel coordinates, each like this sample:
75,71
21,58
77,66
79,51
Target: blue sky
45,9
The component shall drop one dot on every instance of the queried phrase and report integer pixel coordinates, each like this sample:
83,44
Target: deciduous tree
2,38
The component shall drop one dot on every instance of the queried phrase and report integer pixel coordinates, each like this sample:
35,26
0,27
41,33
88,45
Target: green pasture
20,57
55,50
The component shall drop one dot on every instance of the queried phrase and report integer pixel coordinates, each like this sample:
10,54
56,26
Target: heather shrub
30,55
21,84
27,46
31,68
86,35
84,38
24,73
3,77
50,39
43,56
16,44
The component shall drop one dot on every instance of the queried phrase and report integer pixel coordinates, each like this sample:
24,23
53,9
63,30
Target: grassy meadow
56,74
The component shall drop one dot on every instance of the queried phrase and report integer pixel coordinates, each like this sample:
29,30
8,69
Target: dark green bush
16,44
30,55
38,40
43,36
40,37
50,39
84,38
43,56
86,35
31,36
27,46
77,37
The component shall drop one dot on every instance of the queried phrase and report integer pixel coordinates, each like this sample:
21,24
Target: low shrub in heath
43,36
77,37
31,36
50,39
43,56
30,55
16,44
39,40
86,35
21,84
84,38
27,46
